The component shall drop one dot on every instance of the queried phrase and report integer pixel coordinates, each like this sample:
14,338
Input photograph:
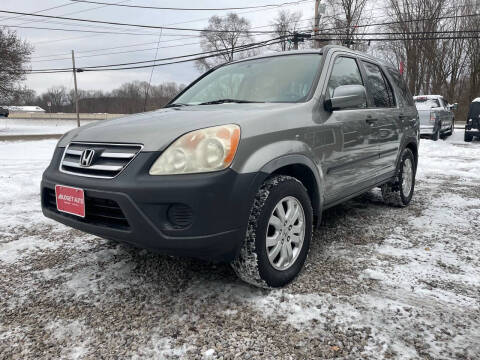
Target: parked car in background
472,126
4,112
436,116
241,164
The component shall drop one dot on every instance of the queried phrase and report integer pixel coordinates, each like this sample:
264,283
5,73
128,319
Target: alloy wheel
285,233
407,177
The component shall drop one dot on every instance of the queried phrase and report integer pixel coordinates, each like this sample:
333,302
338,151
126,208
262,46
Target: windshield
425,104
286,78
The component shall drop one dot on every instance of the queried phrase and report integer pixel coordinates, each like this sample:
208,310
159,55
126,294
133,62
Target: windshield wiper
176,105
222,101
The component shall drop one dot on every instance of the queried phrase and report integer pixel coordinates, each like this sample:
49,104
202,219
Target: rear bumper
200,215
427,129
473,128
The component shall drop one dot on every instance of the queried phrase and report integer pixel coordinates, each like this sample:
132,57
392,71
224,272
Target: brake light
433,117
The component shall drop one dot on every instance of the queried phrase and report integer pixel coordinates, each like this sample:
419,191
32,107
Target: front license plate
70,200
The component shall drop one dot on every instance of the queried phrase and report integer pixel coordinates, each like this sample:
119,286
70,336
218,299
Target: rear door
352,160
385,115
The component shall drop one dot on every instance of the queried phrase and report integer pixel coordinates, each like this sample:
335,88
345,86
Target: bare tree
415,20
340,23
285,24
14,55
56,96
225,35
128,98
473,54
21,95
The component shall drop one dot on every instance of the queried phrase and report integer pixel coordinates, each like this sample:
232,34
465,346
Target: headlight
203,150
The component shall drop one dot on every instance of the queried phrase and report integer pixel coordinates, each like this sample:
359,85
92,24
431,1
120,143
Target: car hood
157,129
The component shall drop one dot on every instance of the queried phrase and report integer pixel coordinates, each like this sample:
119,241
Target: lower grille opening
98,211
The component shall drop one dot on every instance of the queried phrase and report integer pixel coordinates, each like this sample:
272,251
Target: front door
352,159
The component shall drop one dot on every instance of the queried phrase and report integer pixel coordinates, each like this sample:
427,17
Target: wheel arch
414,149
304,170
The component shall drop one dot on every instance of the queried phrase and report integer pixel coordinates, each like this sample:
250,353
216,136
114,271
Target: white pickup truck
436,116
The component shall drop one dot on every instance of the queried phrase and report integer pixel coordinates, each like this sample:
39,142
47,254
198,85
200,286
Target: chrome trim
98,143
74,152
93,167
113,155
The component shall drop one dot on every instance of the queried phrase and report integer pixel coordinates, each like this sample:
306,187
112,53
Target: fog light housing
180,216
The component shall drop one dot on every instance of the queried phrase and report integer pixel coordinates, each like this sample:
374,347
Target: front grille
98,211
107,160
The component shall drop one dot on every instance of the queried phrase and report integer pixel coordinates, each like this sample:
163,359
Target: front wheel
278,234
399,192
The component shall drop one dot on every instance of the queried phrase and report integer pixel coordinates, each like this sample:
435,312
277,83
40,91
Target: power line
189,9
85,68
398,22
116,52
110,48
90,31
125,24
257,45
187,60
398,39
39,11
216,54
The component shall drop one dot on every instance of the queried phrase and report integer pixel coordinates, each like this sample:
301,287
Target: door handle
371,121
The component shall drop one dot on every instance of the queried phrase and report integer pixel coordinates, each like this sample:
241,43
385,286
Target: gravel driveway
379,283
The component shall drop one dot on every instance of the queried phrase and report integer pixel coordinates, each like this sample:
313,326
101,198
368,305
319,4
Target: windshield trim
307,98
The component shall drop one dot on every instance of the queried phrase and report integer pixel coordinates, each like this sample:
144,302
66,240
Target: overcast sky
57,44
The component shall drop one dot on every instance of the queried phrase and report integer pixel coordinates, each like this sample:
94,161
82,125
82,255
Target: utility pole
295,41
76,92
299,37
316,24
319,11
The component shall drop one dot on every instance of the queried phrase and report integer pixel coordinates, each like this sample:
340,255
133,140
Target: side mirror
347,97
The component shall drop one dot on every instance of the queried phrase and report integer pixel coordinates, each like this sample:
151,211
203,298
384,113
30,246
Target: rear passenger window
405,98
345,72
378,86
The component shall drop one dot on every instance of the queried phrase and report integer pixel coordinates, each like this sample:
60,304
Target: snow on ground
14,127
380,282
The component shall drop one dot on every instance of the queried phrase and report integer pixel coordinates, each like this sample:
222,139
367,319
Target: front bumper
199,215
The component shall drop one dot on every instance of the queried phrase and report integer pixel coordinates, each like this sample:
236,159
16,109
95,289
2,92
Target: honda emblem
87,157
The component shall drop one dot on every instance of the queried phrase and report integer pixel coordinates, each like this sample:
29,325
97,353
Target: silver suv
241,164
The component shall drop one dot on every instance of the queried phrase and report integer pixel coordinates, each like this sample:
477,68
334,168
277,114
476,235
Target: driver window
345,72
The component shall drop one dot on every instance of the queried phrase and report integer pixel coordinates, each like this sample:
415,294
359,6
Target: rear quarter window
404,97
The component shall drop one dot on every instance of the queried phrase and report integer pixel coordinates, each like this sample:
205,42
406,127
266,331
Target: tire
253,264
450,131
399,192
436,135
467,137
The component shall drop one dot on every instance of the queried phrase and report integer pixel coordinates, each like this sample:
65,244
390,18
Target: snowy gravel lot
380,282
